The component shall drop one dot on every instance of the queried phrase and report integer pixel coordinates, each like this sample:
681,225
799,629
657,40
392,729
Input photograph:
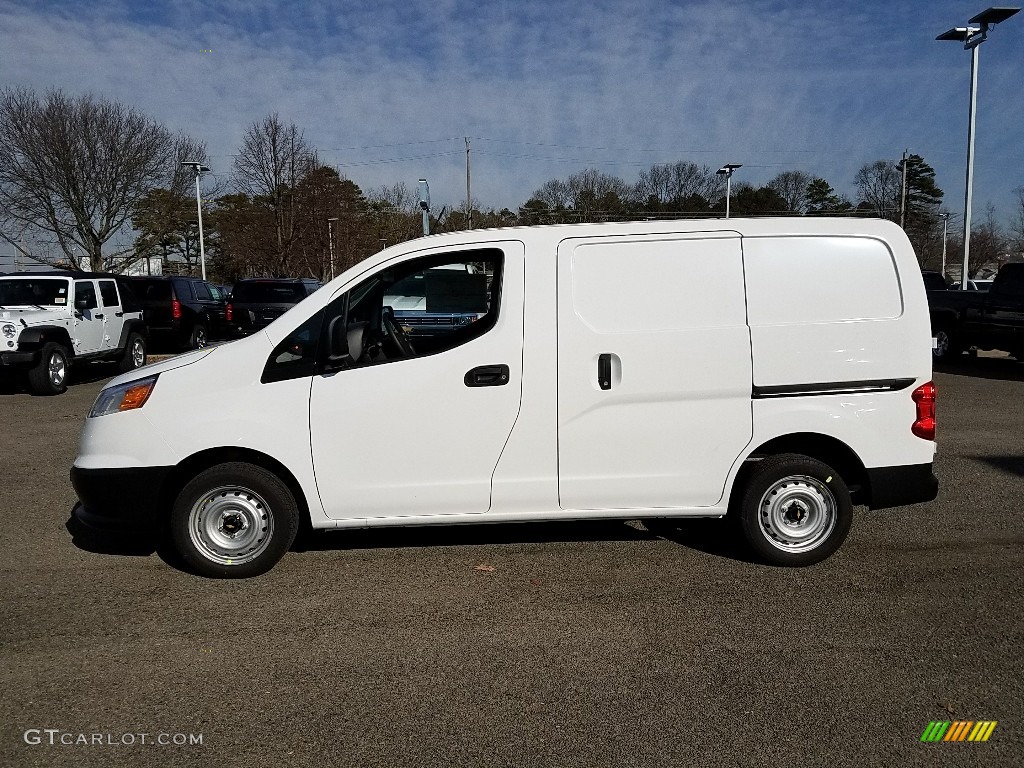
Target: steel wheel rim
57,369
138,353
200,338
941,343
797,513
231,525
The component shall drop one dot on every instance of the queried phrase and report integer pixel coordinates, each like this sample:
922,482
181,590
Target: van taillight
176,309
229,313
924,397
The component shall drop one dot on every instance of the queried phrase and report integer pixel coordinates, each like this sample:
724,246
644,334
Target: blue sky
387,90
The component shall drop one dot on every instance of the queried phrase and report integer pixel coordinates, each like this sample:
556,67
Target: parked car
993,319
601,381
185,312
257,302
51,321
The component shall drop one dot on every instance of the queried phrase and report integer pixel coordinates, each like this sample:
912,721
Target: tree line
85,172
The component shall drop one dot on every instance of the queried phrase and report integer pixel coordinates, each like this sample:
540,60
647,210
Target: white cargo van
775,369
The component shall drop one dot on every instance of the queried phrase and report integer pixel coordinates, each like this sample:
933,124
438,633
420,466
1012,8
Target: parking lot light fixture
727,170
945,229
972,37
200,169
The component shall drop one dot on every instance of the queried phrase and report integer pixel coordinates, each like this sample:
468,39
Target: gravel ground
602,644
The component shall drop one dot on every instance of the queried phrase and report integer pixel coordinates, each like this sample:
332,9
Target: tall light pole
726,170
330,236
972,37
200,169
945,225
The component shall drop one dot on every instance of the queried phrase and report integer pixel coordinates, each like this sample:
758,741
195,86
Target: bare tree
75,167
989,247
792,186
1017,226
878,187
271,162
672,183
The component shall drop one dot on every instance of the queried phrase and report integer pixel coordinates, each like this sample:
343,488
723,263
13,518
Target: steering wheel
396,333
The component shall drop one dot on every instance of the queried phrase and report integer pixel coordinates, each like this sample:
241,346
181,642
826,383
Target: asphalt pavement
589,644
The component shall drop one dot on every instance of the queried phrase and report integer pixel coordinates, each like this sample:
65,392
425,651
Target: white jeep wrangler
50,321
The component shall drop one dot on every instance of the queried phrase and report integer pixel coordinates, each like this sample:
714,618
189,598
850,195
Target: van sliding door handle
487,376
604,371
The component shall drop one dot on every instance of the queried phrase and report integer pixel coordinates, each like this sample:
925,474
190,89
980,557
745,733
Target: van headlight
123,397
9,330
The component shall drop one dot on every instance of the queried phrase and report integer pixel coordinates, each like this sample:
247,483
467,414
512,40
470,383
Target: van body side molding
831,388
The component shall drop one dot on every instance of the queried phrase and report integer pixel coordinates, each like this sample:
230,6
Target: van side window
417,308
424,306
295,356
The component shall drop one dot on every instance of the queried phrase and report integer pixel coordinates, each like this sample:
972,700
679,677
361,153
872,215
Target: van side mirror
338,356
81,305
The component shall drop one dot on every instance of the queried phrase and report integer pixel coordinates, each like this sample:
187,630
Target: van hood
178,361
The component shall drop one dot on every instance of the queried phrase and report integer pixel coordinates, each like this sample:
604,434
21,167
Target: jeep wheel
794,510
50,376
199,337
134,354
234,520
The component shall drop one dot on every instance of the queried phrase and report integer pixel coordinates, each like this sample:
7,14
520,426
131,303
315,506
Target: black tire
50,375
199,338
794,510
947,346
233,521
134,354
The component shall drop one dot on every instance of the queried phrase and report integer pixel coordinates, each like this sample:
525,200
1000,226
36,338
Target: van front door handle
487,376
604,371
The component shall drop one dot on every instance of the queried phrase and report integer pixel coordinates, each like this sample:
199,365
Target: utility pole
469,197
903,191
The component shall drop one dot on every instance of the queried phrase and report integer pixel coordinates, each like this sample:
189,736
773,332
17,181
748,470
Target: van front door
654,370
416,425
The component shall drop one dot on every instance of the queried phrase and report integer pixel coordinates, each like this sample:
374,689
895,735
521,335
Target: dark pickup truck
962,320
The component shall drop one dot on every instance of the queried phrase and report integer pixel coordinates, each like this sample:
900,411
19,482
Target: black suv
183,311
256,303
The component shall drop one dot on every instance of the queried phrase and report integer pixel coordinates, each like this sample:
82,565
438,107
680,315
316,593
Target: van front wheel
234,520
795,510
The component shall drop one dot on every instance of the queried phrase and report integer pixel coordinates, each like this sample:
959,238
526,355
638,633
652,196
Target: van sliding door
654,370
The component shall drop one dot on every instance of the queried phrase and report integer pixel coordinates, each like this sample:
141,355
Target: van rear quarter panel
832,308
835,308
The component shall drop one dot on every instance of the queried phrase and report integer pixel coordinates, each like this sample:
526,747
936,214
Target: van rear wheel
234,520
794,510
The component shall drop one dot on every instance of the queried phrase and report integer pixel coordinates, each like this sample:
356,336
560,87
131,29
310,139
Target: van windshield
16,292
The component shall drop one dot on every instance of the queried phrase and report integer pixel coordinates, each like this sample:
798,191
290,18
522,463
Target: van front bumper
899,486
119,500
